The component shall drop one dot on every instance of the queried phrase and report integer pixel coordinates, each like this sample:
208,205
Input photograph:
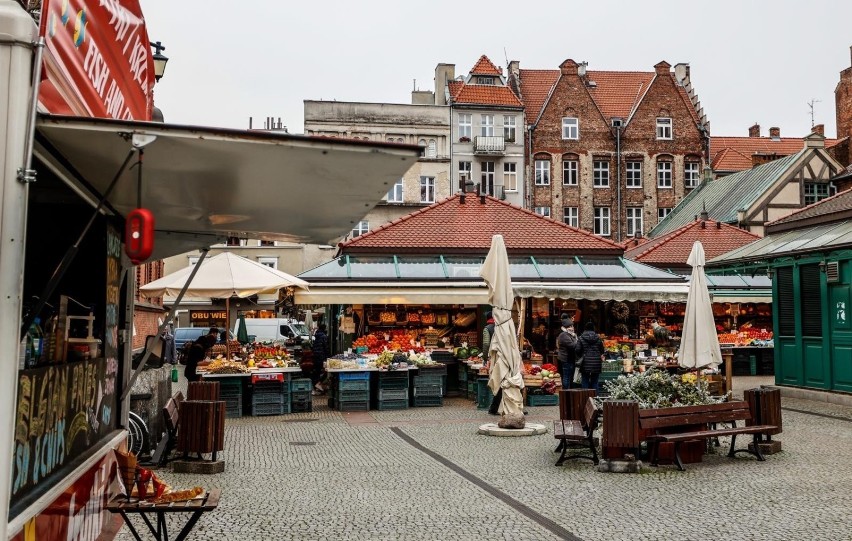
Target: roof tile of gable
535,88
450,226
735,153
723,197
486,95
455,87
617,93
673,249
484,66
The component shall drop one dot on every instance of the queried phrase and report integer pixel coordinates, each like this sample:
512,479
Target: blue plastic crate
267,399
393,404
393,384
350,376
393,394
354,406
358,385
542,400
428,401
428,380
301,384
353,396
270,409
300,396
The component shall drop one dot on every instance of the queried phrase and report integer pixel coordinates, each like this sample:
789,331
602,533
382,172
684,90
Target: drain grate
303,443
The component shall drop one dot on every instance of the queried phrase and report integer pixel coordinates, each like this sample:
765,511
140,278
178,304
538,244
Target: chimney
681,72
514,68
569,67
819,128
754,131
775,133
443,74
662,68
581,69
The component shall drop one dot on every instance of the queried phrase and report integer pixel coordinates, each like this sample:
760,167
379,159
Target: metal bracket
26,176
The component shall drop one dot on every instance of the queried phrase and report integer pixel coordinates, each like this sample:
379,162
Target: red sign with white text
97,60
79,513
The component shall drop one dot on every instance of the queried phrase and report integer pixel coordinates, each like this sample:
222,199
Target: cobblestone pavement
326,475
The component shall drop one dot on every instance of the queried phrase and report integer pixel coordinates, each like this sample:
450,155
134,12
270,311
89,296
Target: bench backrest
572,403
652,419
621,426
590,415
170,415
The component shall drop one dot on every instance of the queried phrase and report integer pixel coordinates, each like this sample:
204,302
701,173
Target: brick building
147,312
611,152
843,110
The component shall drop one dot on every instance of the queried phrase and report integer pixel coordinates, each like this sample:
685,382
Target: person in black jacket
565,345
198,352
320,352
590,352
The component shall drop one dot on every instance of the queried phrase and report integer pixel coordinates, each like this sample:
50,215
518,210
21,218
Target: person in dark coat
198,352
590,351
565,344
320,352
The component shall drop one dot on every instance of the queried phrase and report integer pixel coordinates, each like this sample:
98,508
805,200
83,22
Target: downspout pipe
618,178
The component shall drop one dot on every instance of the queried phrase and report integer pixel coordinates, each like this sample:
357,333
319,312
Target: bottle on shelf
50,329
36,343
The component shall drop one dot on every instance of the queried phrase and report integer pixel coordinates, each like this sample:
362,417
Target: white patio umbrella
503,353
699,345
224,276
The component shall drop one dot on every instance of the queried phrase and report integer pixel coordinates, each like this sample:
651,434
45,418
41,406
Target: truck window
286,331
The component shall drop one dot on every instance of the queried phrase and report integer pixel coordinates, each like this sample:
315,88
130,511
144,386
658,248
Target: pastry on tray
180,495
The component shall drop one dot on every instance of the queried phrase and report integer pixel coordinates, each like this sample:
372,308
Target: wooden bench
680,424
171,421
571,405
571,431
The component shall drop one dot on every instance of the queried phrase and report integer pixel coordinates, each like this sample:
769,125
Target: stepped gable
466,226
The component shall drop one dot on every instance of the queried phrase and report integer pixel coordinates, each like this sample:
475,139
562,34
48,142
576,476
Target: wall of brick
597,141
147,313
843,104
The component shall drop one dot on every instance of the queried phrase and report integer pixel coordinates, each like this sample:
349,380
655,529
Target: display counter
260,391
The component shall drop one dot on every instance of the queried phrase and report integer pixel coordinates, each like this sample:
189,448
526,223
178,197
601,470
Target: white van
264,329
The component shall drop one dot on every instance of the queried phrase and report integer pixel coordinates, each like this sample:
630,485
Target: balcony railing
489,144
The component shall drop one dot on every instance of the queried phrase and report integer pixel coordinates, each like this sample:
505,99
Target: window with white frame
362,227
602,221
542,172
510,176
395,194
485,80
634,221
600,174
664,128
543,211
664,174
509,126
570,172
465,126
662,212
464,173
486,126
267,243
271,262
571,216
817,191
432,149
236,241
634,174
427,189
570,127
690,174
487,177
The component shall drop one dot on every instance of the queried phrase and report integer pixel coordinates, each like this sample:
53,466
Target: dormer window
486,80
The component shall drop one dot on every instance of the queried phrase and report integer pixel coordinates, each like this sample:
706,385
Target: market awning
217,182
376,293
636,291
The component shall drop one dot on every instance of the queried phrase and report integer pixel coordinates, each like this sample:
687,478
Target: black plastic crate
393,394
302,407
301,396
301,384
428,401
393,384
354,406
354,385
427,390
267,399
271,409
393,404
428,380
353,396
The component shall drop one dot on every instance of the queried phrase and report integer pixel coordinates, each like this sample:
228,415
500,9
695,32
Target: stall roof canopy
820,238
455,267
466,224
208,183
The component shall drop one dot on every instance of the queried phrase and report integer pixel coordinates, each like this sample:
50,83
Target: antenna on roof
506,56
811,106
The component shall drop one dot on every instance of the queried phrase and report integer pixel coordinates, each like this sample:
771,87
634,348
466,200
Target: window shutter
786,302
832,272
811,300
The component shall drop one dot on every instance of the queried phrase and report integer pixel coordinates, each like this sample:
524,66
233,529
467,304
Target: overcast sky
751,61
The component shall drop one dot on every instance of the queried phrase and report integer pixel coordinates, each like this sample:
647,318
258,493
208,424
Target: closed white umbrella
223,276
504,355
699,345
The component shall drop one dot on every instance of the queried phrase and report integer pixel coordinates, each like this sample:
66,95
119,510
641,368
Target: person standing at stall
198,352
589,353
565,343
320,352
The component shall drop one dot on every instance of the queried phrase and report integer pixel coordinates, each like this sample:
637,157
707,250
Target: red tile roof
535,88
672,250
484,66
450,226
618,92
487,95
735,153
455,87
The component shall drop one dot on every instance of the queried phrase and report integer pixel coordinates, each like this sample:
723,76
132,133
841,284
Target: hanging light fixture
160,60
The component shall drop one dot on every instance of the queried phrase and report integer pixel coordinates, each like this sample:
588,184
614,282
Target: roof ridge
487,64
395,221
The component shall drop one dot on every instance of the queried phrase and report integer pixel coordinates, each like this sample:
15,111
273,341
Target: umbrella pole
227,323
522,312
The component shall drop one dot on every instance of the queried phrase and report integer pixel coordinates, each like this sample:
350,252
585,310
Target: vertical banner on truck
97,61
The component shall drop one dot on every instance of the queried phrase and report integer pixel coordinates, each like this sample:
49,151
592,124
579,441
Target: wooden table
196,507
